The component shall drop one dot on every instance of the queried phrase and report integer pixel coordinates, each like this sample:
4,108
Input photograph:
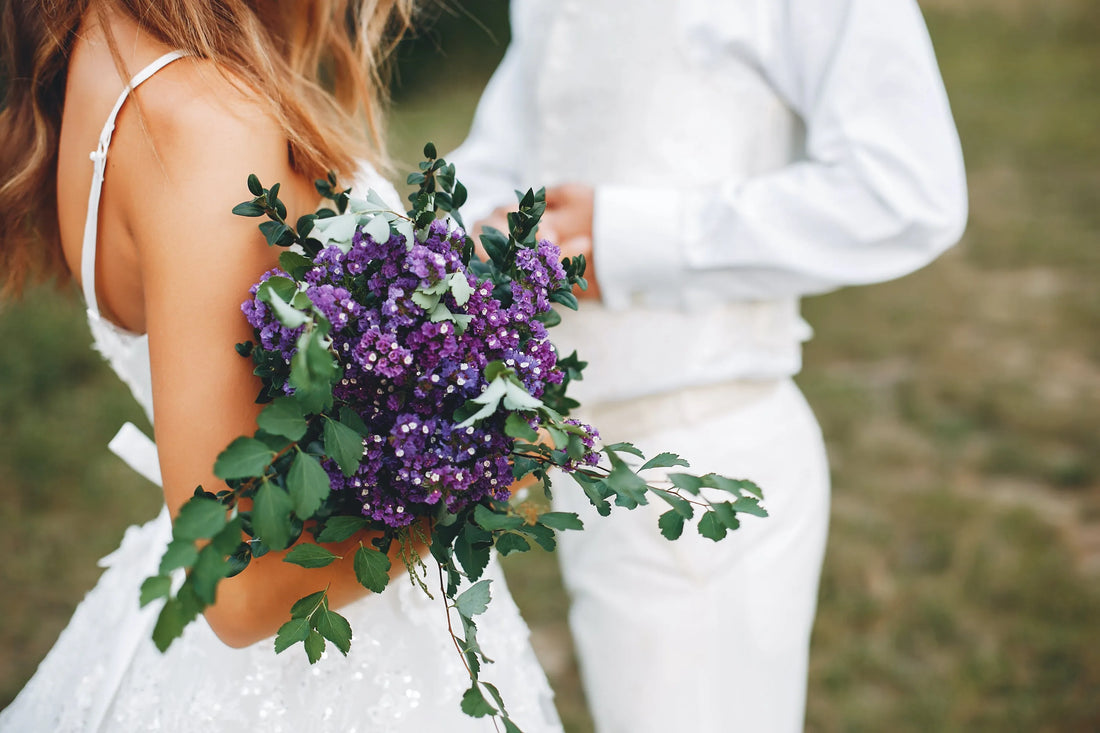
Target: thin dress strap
99,158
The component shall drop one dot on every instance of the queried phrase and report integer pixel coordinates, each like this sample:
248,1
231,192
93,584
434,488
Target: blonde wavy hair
318,64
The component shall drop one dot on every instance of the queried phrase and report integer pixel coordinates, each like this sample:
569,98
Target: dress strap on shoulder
99,159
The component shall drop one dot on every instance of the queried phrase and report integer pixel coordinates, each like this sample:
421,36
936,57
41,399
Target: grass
961,406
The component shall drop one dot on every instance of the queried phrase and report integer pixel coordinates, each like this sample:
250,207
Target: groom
715,161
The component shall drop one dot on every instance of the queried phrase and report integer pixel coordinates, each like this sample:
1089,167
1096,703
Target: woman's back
172,265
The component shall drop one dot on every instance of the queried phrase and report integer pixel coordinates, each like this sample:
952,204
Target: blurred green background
961,589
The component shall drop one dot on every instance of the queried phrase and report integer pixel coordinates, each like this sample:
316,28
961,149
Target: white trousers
694,635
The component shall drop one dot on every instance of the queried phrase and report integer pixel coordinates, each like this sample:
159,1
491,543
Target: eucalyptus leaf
378,229
518,398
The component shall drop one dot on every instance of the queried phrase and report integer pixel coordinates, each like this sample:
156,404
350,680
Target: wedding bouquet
409,385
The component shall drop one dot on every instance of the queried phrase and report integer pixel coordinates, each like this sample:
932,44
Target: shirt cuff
637,244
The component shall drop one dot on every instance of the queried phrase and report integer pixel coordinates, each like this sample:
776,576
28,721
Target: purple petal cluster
406,374
588,437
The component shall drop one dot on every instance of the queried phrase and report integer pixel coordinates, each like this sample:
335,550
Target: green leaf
474,703
315,646
295,264
475,599
228,538
516,426
199,518
254,186
209,569
510,542
681,505
664,460
712,527
490,520
158,586
338,529
623,448
542,534
243,458
351,418
290,633
561,520
309,555
430,151
749,505
510,727
309,485
248,208
472,553
372,569
178,554
284,417
306,605
333,627
343,445
312,371
686,482
460,288
271,516
169,624
517,397
288,315
671,524
378,229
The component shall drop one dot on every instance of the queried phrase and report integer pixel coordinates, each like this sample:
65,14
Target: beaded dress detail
403,673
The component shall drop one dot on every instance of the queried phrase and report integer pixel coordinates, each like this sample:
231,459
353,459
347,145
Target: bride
177,102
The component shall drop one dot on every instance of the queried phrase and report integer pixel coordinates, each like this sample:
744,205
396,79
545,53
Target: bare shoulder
191,115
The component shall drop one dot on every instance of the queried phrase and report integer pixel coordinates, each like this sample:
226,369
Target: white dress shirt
744,153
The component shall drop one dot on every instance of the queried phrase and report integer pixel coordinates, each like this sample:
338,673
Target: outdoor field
961,405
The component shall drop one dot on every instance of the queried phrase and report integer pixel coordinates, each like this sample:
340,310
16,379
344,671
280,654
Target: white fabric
694,635
403,673
744,154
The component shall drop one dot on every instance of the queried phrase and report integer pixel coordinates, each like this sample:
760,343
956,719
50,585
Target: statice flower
413,331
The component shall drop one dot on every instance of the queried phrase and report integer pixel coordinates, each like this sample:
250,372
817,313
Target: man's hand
567,223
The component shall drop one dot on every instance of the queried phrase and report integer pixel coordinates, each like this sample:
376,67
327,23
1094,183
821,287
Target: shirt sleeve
487,162
880,192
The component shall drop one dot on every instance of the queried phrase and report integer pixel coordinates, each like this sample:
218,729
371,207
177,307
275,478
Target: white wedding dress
403,673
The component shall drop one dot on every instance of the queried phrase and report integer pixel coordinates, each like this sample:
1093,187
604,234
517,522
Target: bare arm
197,263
